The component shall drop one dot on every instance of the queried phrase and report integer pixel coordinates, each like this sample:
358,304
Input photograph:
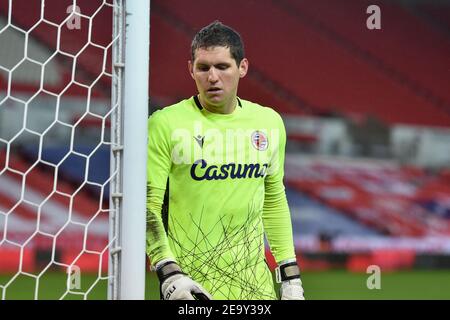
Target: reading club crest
259,140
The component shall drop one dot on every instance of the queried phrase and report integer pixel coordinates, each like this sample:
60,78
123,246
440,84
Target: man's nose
212,76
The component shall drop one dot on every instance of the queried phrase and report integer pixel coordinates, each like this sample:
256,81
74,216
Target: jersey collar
200,107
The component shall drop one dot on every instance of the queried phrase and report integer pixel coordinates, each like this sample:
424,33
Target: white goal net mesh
56,110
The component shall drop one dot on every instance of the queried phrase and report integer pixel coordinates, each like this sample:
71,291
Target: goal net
61,148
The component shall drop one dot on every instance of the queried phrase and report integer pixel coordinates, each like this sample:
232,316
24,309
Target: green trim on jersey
224,174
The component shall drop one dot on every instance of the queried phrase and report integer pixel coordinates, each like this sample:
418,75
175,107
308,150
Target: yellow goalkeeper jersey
215,187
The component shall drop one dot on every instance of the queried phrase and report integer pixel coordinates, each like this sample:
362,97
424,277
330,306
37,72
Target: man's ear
191,68
243,68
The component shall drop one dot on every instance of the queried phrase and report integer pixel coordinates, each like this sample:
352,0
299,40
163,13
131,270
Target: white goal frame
128,190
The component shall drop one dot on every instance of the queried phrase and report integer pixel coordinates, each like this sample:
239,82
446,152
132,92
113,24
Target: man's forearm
277,222
157,242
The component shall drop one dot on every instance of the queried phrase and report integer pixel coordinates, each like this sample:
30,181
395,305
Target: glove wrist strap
287,271
167,270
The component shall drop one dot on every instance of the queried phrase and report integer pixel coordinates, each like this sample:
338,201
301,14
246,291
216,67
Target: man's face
216,75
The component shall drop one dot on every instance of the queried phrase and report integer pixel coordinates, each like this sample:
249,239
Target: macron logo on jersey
200,140
201,171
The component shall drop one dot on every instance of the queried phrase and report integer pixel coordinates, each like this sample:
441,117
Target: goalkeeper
215,185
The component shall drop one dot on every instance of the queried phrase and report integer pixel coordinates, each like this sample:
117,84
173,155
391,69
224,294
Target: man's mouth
214,89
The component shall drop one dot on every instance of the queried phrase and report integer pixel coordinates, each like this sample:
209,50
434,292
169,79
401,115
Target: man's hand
175,285
288,274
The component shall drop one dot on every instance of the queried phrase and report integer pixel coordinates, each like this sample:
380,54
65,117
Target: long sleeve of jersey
158,167
276,214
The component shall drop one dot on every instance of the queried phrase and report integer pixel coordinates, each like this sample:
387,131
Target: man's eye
203,68
222,67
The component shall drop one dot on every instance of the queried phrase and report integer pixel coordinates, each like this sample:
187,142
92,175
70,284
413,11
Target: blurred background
367,114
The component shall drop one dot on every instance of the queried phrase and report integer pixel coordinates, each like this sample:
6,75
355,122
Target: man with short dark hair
215,185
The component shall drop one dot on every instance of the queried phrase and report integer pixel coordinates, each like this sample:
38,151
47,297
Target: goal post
73,140
131,254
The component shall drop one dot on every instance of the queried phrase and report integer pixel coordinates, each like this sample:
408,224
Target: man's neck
227,108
